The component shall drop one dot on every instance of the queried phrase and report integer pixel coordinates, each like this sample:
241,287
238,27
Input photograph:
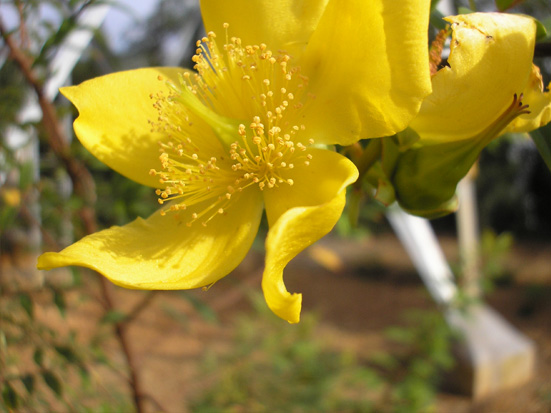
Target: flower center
209,156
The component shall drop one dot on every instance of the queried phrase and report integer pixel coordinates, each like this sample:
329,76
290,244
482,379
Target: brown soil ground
368,286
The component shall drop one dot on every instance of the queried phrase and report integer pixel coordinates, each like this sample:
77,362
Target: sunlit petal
368,67
114,111
163,253
327,174
299,215
490,62
295,230
282,25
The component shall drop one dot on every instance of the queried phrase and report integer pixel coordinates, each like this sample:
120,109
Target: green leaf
59,301
503,5
113,317
541,30
437,19
3,342
27,304
53,382
399,335
67,353
38,356
11,400
85,380
543,143
464,10
203,309
28,382
26,175
434,4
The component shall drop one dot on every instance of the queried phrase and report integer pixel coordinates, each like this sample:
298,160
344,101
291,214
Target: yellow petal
299,215
368,67
295,230
490,61
282,24
162,253
539,105
327,175
113,120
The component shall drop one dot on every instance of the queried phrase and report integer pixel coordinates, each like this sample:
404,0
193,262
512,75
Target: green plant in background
494,251
414,370
32,356
271,367
42,368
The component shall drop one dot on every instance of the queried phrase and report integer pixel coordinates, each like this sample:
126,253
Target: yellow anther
210,184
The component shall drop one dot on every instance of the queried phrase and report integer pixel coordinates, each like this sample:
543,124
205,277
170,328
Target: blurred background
371,338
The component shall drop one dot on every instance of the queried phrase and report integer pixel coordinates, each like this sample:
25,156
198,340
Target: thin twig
135,386
22,27
138,308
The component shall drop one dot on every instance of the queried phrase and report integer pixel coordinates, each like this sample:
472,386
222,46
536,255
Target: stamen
202,180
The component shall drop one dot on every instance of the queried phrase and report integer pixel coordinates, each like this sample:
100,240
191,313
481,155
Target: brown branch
22,27
135,384
84,187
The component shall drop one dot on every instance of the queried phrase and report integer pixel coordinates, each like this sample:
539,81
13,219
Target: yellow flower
248,131
490,87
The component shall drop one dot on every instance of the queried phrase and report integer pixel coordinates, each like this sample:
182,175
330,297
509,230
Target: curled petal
299,215
163,253
490,62
295,230
368,66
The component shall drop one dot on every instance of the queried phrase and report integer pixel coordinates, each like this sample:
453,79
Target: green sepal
437,19
379,181
426,177
543,143
442,210
406,139
541,31
385,193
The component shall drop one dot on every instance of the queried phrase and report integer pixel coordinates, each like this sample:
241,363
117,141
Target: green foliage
494,250
41,369
277,367
503,5
424,352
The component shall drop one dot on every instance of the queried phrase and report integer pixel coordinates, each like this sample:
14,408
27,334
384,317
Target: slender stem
84,187
120,331
368,157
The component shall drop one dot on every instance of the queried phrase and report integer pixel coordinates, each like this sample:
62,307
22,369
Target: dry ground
371,289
